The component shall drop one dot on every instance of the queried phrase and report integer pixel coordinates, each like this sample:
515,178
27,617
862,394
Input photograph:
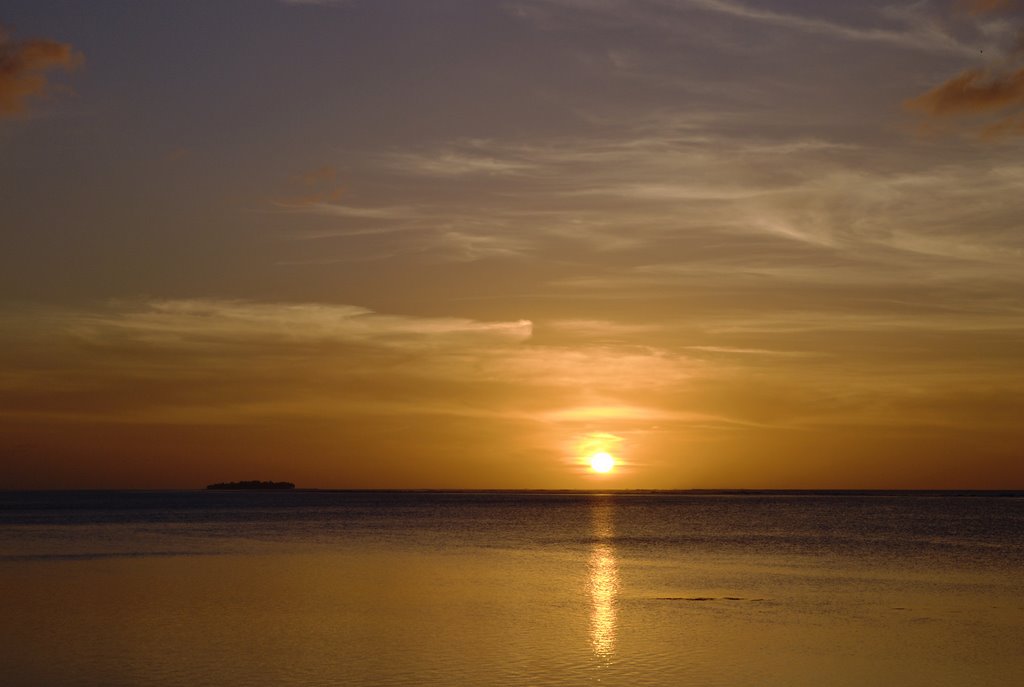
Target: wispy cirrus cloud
266,358
455,163
209,322
823,211
920,35
323,206
914,31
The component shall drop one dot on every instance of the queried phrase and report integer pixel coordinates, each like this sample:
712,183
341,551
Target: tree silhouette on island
251,484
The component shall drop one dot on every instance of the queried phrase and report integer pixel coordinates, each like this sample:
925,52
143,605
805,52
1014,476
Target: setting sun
602,462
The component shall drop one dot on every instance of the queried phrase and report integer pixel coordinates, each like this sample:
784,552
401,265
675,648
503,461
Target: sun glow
602,462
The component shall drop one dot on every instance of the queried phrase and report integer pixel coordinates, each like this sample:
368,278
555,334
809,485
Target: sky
471,243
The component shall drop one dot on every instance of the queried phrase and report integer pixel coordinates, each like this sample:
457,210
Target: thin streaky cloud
741,191
451,164
205,321
728,350
827,321
924,38
394,212
920,35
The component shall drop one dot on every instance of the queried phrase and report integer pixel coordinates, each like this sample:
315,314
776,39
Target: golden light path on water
603,583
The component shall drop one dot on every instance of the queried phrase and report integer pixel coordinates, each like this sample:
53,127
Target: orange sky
468,244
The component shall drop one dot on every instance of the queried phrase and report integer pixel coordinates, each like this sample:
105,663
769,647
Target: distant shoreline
251,485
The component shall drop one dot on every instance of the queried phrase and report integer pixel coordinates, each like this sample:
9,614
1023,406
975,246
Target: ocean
302,587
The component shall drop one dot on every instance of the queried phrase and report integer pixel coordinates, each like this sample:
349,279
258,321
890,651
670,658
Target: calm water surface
328,588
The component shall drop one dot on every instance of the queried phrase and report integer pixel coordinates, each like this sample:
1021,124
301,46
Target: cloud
977,92
749,211
670,15
212,360
214,322
984,6
24,66
970,92
451,163
1010,126
325,173
994,90
323,207
316,186
345,391
922,37
728,350
224,361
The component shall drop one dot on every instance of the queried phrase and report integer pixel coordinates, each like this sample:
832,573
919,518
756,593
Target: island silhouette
251,484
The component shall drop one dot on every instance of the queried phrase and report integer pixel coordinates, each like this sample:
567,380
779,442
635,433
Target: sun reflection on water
603,583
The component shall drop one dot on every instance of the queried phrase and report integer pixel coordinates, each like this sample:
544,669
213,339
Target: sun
602,462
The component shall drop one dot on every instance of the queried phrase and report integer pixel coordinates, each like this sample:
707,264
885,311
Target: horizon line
484,490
